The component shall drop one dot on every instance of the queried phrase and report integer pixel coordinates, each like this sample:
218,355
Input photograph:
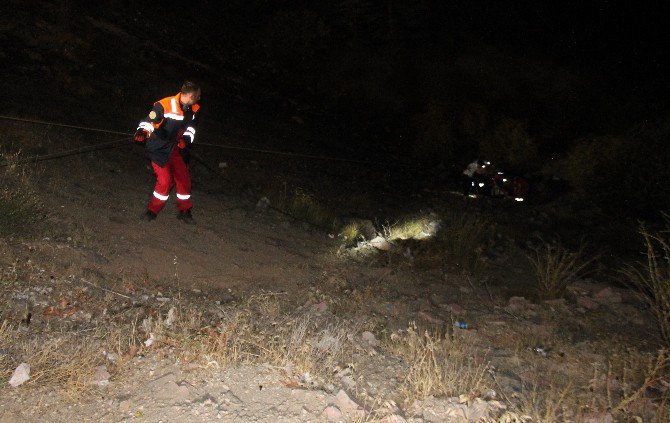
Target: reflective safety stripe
173,103
183,196
146,126
161,197
190,132
174,116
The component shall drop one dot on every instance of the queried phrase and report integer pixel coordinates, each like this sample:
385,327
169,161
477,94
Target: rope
73,152
85,128
228,147
284,153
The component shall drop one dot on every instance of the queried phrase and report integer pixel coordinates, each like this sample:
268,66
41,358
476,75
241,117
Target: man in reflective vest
168,131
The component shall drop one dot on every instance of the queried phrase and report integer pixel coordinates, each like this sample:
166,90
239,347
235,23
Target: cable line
84,128
73,152
227,147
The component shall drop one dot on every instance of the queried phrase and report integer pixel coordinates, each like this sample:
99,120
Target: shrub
652,279
439,364
305,207
556,268
20,205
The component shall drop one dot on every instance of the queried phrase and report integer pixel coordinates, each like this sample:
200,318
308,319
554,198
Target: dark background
575,90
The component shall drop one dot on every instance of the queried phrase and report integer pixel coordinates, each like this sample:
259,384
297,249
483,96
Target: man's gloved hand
182,142
140,136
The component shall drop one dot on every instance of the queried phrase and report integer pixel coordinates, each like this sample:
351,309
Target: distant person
168,131
472,174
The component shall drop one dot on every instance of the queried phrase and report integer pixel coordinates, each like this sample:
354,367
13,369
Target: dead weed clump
305,207
557,267
20,205
304,345
439,364
626,386
64,360
652,279
459,241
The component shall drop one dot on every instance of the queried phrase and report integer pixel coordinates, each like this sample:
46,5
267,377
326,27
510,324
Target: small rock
587,303
478,411
320,307
348,382
332,414
100,376
150,340
517,304
598,418
380,243
349,406
125,406
20,376
263,203
370,338
393,418
454,308
431,318
171,317
607,296
326,343
438,300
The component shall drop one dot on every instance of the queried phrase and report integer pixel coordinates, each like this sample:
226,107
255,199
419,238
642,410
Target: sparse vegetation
557,267
439,364
464,237
408,229
305,207
20,205
652,280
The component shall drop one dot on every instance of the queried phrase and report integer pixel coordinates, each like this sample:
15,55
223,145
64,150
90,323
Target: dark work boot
148,216
186,217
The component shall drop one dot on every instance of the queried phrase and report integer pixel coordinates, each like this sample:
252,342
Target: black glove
140,136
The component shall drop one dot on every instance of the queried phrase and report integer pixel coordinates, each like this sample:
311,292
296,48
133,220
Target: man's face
190,99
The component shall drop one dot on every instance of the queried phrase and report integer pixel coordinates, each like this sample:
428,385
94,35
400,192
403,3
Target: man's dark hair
480,162
190,87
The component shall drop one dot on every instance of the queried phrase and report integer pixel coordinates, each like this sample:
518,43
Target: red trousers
175,167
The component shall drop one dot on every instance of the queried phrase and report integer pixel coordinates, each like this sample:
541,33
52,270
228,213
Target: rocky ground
251,315
257,315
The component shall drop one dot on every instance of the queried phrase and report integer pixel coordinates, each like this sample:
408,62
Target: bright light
518,199
481,184
504,179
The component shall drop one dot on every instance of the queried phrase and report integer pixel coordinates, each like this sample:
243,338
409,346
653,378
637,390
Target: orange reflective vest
168,121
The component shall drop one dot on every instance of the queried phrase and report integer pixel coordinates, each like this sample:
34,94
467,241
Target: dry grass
305,207
20,205
351,233
306,346
65,360
439,365
629,385
459,242
556,267
652,279
408,229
